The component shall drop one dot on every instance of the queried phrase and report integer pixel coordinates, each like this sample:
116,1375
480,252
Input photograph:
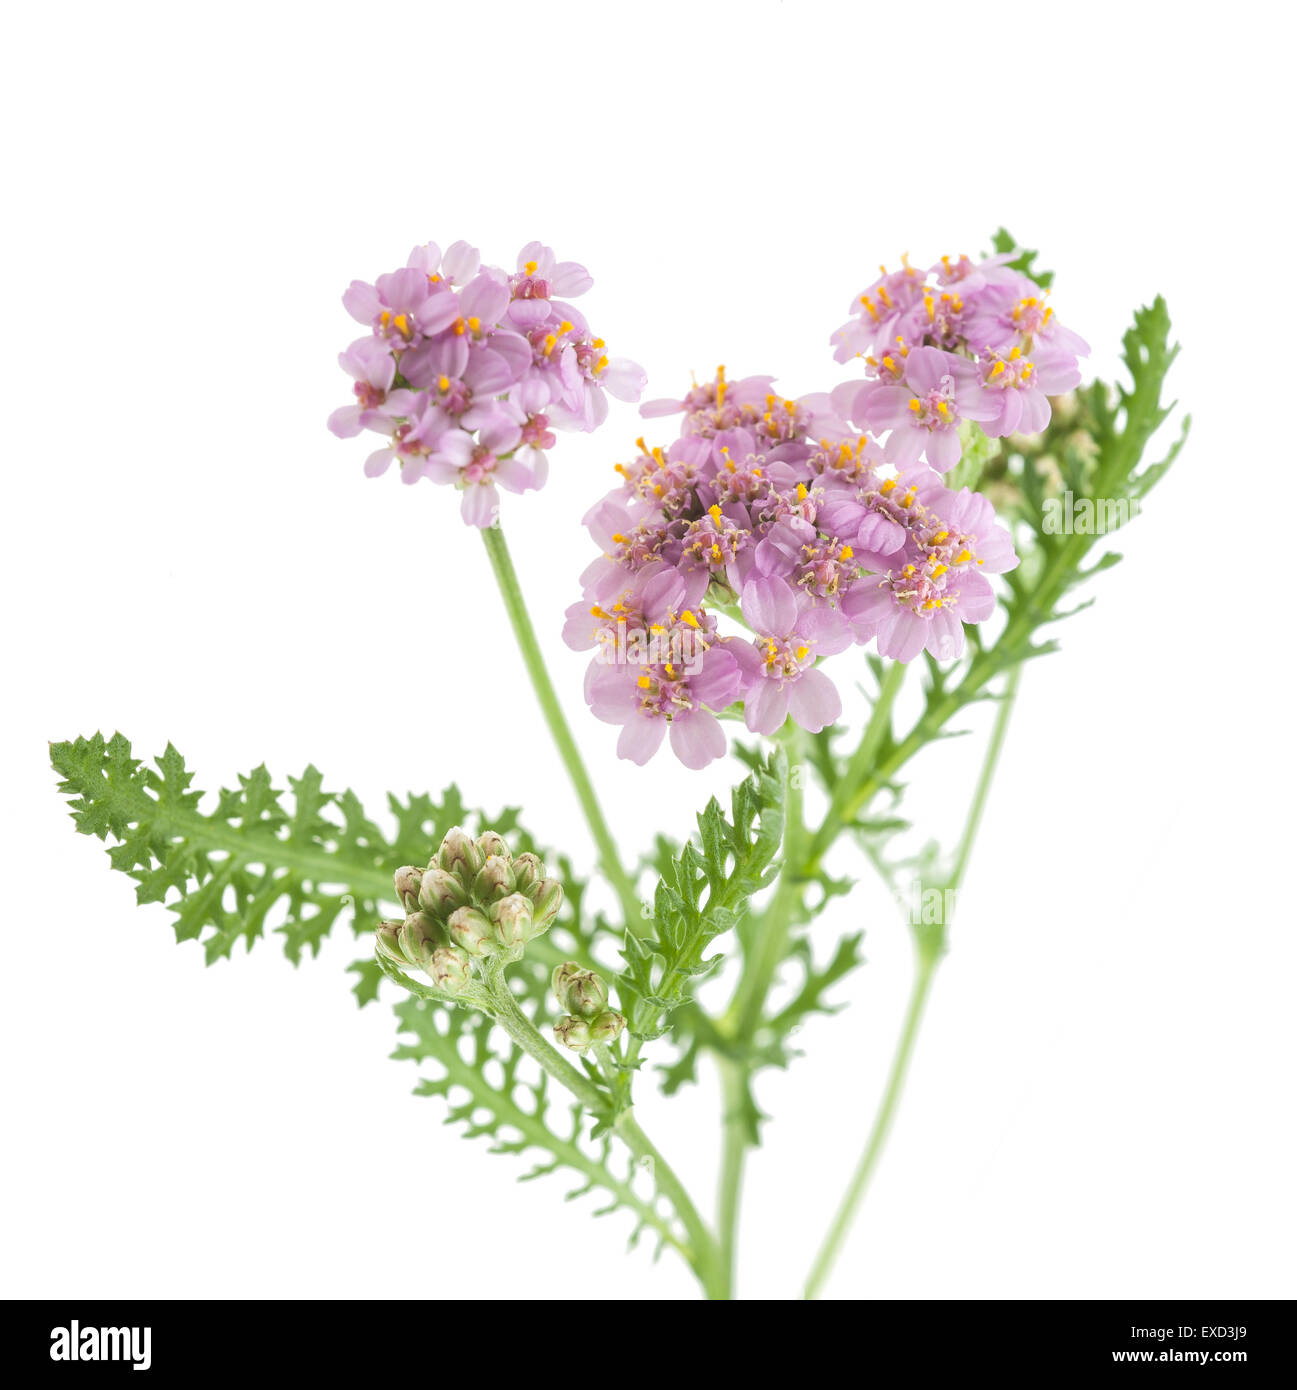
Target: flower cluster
474,899
777,512
468,370
588,1019
963,341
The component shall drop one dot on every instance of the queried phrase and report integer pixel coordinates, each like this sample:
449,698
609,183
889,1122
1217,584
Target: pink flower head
779,665
936,583
470,369
923,409
372,368
650,700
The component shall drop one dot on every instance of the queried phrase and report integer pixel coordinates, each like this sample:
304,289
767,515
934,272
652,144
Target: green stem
521,1029
844,803
705,1256
769,936
989,763
702,1252
878,1134
930,947
734,1151
511,592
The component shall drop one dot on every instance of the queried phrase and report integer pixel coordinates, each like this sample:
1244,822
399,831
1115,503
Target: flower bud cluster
473,899
584,997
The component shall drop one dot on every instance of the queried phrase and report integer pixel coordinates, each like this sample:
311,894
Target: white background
1102,1099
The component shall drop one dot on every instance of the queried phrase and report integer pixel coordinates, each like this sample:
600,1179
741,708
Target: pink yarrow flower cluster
467,370
780,512
961,341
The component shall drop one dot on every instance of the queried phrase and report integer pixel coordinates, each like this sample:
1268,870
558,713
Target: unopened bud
459,855
527,871
407,886
494,879
547,898
417,938
450,968
441,892
578,991
387,941
608,1026
490,843
471,931
573,1033
512,918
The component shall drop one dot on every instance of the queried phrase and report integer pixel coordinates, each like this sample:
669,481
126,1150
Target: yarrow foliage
468,370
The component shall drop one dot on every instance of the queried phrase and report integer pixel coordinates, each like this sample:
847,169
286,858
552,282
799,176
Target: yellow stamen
689,618
530,267
801,653
643,682
443,383
916,405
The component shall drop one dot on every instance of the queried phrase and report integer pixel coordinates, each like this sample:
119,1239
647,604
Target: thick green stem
930,944
511,591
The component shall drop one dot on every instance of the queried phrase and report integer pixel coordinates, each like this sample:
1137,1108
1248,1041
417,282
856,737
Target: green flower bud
512,919
547,898
450,968
407,886
527,871
578,991
417,938
459,855
471,931
490,843
607,1027
387,941
573,1033
494,880
441,893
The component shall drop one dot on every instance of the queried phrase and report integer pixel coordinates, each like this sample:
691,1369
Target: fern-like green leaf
495,1092
703,891
295,862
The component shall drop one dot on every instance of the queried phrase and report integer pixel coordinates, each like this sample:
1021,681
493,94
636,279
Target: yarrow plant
910,510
